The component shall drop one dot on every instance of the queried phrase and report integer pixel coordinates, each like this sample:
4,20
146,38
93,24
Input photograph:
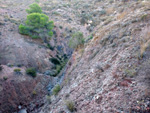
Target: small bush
56,89
34,8
76,40
70,106
5,78
31,71
55,61
34,93
17,70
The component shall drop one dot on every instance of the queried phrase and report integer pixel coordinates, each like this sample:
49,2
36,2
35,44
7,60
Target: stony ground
18,89
18,51
109,74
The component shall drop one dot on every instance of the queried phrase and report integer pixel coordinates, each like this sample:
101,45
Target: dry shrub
110,10
122,15
70,106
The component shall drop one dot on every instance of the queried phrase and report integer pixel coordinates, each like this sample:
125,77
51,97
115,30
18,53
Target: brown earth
19,89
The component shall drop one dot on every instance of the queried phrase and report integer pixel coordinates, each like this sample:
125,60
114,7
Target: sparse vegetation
70,106
130,72
143,17
76,40
31,72
85,17
59,64
48,98
56,89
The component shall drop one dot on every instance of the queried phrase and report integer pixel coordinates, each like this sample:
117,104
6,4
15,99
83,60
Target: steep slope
110,74
19,89
18,51
21,50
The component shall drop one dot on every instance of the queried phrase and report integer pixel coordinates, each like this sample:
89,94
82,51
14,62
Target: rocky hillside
109,73
21,52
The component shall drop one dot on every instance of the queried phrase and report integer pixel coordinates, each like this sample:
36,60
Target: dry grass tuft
122,15
110,10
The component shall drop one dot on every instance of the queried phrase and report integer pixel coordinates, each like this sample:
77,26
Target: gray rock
22,111
49,72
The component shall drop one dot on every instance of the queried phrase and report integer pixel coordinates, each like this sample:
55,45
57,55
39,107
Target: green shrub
17,70
24,29
34,8
55,61
76,40
37,20
70,106
56,89
31,72
5,78
37,24
58,68
34,93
